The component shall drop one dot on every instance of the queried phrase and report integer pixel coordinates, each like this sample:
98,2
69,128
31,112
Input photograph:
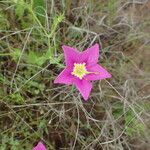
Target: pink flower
40,146
81,68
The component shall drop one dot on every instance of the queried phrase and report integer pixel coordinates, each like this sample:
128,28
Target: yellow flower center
79,70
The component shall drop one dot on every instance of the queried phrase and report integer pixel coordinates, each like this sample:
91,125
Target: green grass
33,108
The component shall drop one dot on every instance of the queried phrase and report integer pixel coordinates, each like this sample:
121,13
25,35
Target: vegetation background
32,108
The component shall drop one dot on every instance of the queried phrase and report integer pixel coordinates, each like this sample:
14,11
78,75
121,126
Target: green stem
38,21
5,54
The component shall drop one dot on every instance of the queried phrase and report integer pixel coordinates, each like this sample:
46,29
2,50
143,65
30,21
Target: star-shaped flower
40,146
81,68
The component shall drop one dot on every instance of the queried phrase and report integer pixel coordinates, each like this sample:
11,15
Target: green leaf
34,58
15,54
2,78
56,21
20,8
4,23
16,98
39,9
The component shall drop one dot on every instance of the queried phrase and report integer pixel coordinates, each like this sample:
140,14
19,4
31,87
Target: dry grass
116,117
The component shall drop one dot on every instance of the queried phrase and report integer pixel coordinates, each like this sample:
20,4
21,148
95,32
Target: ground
33,108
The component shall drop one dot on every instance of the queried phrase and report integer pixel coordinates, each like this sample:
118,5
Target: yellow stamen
80,71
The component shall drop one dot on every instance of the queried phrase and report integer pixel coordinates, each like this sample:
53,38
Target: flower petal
90,55
84,87
40,146
64,77
72,55
100,73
